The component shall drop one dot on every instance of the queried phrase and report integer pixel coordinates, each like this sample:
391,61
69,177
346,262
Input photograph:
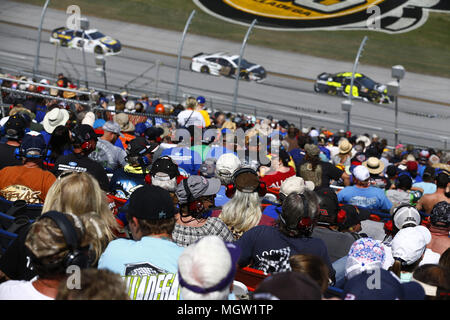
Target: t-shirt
23,183
186,235
185,158
321,176
81,163
427,187
398,197
108,155
267,249
188,118
125,180
338,243
221,197
20,290
8,156
149,267
297,155
276,178
371,198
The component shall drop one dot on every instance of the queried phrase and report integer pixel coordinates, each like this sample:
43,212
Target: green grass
425,50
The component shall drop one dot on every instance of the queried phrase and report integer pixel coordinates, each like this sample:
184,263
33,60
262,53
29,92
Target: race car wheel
204,69
63,43
98,50
332,91
316,88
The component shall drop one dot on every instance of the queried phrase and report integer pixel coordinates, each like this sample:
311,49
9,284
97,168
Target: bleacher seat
20,207
9,228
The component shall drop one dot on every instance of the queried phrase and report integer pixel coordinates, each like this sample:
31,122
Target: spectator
440,227
376,168
243,211
313,266
362,194
342,159
59,144
55,242
53,118
288,285
428,201
151,257
227,164
139,156
280,170
333,225
428,184
388,288
201,108
155,135
444,260
291,184
95,284
190,116
391,176
206,269
196,198
365,254
401,194
403,216
292,137
317,171
106,153
126,127
408,249
84,141
435,280
28,181
269,248
14,133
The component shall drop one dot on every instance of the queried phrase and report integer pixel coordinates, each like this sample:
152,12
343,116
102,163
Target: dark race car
363,87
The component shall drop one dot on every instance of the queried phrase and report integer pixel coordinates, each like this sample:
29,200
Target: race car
222,63
363,87
95,41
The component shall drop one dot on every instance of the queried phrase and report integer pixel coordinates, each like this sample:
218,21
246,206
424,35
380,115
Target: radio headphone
304,224
261,187
195,207
79,140
75,256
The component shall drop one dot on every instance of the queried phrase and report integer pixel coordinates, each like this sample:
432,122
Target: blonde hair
80,193
242,212
191,102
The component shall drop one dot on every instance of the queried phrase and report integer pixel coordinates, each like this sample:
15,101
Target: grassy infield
425,50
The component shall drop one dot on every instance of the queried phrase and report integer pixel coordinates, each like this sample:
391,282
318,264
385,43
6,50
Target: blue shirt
427,187
185,158
273,211
216,151
371,198
297,155
149,267
221,198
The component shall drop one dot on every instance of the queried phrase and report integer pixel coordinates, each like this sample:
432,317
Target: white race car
94,41
221,63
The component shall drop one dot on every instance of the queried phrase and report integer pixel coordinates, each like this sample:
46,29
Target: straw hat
55,117
345,146
375,165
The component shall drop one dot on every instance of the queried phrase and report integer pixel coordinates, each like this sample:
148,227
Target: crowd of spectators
177,200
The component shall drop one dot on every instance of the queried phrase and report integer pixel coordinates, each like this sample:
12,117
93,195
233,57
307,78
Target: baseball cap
312,150
113,127
284,124
198,186
440,214
83,133
201,99
32,145
409,244
150,202
361,173
353,215
227,164
405,215
364,254
328,207
15,127
165,165
295,184
208,168
153,133
288,285
211,242
139,147
362,287
411,165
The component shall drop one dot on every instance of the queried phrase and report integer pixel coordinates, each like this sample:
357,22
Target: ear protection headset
304,224
20,153
261,188
79,140
195,207
75,256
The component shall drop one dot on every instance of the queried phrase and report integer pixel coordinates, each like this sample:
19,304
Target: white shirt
195,119
20,290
